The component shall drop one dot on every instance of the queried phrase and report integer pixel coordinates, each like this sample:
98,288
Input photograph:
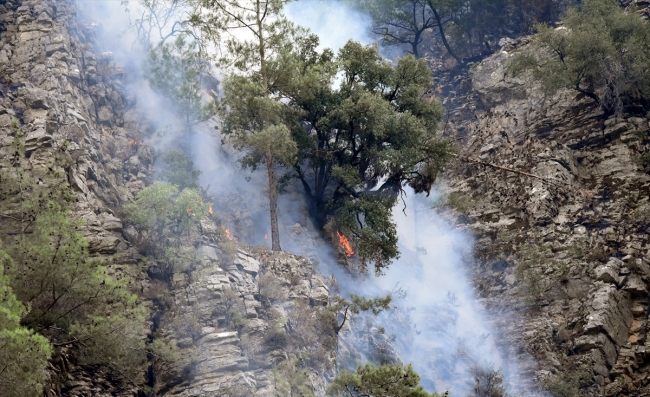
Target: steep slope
562,257
71,103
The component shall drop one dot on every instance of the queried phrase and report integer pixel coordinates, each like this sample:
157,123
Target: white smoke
439,325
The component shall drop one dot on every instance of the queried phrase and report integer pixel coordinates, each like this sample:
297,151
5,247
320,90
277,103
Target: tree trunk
273,203
443,36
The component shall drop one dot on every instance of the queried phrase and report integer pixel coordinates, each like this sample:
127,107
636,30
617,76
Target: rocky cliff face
564,256
70,102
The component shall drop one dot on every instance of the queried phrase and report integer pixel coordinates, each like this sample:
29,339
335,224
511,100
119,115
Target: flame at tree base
345,243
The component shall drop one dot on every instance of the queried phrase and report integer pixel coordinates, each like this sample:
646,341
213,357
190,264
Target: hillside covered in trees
197,198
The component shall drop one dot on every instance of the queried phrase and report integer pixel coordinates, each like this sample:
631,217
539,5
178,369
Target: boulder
209,252
246,263
610,313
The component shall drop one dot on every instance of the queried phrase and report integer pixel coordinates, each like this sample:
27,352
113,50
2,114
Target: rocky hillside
228,316
558,197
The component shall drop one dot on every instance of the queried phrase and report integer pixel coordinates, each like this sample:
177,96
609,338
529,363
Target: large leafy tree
362,128
362,140
602,51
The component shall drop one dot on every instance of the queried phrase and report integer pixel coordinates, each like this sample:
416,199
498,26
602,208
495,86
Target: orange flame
227,232
345,243
210,210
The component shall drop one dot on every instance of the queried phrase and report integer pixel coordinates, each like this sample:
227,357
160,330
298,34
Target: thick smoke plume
438,324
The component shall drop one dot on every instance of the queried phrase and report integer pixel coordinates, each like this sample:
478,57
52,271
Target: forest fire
345,243
210,211
227,232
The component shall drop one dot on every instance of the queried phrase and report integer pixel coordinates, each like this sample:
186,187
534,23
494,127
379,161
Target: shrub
488,382
459,201
569,383
180,171
73,299
537,272
23,353
600,51
163,215
385,380
232,310
270,288
276,338
291,379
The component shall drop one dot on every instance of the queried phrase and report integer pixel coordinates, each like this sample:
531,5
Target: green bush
67,296
569,383
23,354
601,51
180,171
385,380
164,216
270,288
291,379
537,273
459,201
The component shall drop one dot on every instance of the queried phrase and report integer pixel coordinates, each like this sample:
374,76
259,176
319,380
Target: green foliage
389,380
175,71
641,214
72,298
570,383
378,124
164,216
23,354
70,295
645,159
274,142
167,361
357,304
250,111
232,309
270,288
180,171
312,331
290,379
601,51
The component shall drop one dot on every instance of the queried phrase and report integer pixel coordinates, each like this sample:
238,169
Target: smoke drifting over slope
438,326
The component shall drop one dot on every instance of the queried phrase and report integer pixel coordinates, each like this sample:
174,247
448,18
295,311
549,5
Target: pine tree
257,34
388,380
23,353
